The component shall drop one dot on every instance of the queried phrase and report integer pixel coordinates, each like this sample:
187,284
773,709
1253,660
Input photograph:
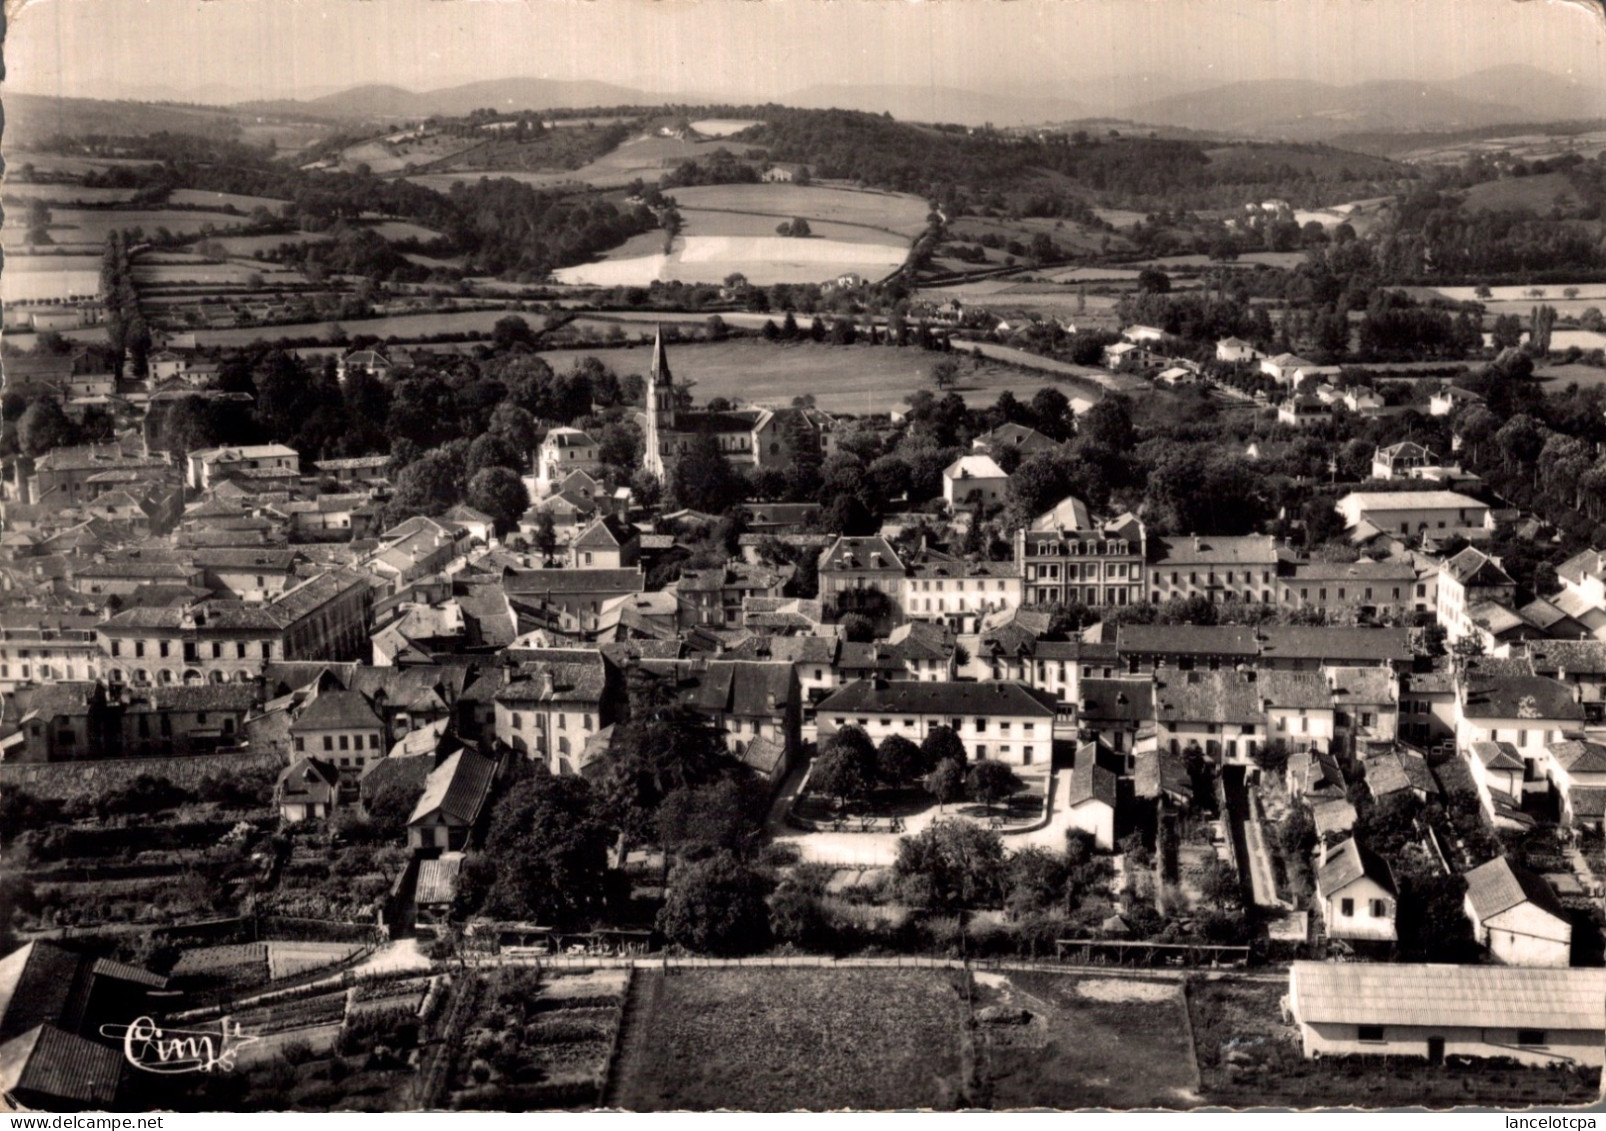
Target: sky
757,49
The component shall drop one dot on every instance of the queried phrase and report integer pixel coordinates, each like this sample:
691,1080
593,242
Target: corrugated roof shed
1478,997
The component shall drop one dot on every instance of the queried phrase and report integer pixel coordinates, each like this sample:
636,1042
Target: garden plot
538,1040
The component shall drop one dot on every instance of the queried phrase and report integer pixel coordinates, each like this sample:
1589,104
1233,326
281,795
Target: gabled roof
955,699
1520,697
47,1061
1158,772
1585,563
1117,700
873,552
1579,757
1474,567
606,532
437,879
1091,781
1209,697
1186,640
1500,885
1348,862
457,789
1497,756
337,710
974,467
36,986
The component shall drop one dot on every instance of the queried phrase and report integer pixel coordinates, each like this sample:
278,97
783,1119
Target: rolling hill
393,102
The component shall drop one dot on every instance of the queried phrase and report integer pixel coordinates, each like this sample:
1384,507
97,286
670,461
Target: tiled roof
1575,657
1521,697
457,789
1091,781
1186,640
1248,549
859,553
536,582
1500,885
1579,757
913,697
1117,700
1497,756
437,879
1209,697
47,1061
337,710
1348,862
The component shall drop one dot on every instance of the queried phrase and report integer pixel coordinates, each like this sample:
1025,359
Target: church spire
659,370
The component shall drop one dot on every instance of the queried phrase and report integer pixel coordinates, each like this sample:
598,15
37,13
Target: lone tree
946,783
945,373
992,781
716,906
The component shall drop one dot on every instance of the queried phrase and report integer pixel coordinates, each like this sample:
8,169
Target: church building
749,437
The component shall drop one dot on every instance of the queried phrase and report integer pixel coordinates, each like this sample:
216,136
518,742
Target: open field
1527,147
400,326
61,194
245,245
31,278
1537,194
69,165
1062,1041
76,227
1560,376
785,1039
383,156
172,270
898,213
724,127
850,379
401,230
1549,292
648,157
195,198
764,260
1248,1057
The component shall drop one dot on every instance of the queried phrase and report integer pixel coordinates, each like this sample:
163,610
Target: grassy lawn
1248,1057
1089,1042
856,379
788,1039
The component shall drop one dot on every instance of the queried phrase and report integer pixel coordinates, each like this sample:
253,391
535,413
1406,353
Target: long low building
1004,722
1529,1014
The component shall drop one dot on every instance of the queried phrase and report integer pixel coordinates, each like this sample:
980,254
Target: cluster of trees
721,167
850,767
125,329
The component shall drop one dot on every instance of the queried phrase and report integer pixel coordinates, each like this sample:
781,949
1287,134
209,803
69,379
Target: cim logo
171,1052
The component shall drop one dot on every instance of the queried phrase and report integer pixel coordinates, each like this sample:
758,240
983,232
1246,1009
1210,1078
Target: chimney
547,687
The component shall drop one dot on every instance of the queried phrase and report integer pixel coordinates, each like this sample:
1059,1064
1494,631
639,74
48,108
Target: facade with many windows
1099,567
1217,569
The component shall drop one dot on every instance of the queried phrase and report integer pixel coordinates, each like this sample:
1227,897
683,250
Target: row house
551,706
1102,566
43,647
209,466
956,592
715,596
323,618
1468,582
63,477
1349,589
354,471
1242,568
757,704
1583,590
1004,722
852,566
570,601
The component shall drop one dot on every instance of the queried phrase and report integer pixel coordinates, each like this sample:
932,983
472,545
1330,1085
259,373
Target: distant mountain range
1273,108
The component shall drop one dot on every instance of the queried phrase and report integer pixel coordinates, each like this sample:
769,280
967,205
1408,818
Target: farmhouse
1535,1016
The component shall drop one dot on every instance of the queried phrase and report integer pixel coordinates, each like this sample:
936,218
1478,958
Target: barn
1533,1015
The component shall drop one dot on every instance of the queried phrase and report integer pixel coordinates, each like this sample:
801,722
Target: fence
668,962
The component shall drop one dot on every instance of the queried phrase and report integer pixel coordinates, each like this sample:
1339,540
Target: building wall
349,748
1361,924
1096,818
1179,578
1524,935
1327,1039
1019,741
554,733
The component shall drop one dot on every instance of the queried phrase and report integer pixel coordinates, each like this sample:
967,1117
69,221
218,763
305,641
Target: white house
1533,1015
1235,350
562,452
1004,722
1283,367
977,476
1516,915
1578,771
1439,513
1094,791
1356,893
